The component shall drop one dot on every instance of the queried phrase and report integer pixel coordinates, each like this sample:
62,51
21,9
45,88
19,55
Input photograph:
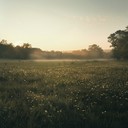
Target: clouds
88,19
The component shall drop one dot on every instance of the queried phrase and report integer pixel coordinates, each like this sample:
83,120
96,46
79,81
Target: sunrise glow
61,24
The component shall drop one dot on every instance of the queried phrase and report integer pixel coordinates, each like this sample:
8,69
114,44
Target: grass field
63,94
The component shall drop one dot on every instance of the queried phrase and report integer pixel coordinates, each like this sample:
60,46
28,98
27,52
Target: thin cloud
88,19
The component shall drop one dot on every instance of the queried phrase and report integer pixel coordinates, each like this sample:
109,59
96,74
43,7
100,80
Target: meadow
75,94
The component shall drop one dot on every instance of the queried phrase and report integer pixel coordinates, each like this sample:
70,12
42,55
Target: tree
27,45
4,42
94,51
119,42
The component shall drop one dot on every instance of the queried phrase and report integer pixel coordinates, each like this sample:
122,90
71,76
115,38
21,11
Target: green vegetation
119,42
63,94
25,52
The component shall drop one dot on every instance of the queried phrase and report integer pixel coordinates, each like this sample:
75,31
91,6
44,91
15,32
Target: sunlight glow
62,25
18,43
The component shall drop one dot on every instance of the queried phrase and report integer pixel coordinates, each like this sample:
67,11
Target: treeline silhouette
25,51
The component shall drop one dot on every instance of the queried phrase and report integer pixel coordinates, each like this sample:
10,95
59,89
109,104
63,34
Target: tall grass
63,94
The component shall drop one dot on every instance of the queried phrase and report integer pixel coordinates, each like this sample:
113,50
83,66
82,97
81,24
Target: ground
62,94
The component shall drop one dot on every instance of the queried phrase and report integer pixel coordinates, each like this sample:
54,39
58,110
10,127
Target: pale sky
61,24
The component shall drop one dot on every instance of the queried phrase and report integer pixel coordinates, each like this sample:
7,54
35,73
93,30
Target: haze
61,24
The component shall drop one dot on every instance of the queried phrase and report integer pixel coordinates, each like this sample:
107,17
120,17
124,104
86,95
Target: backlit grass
63,94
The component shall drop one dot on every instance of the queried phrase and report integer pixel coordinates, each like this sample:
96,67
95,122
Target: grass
63,94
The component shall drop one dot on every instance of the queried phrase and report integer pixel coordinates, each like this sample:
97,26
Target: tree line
118,40
8,51
26,51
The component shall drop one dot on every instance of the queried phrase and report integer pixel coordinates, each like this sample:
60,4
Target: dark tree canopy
26,45
95,51
119,42
26,51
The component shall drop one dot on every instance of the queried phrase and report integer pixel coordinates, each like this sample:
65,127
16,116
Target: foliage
26,45
63,94
8,51
95,51
119,42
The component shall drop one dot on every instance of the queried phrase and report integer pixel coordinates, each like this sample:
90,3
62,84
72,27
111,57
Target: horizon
64,51
62,25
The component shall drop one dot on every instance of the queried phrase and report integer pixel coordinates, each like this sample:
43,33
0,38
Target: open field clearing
63,94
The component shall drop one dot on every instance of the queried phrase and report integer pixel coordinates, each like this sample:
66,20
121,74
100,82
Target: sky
61,24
